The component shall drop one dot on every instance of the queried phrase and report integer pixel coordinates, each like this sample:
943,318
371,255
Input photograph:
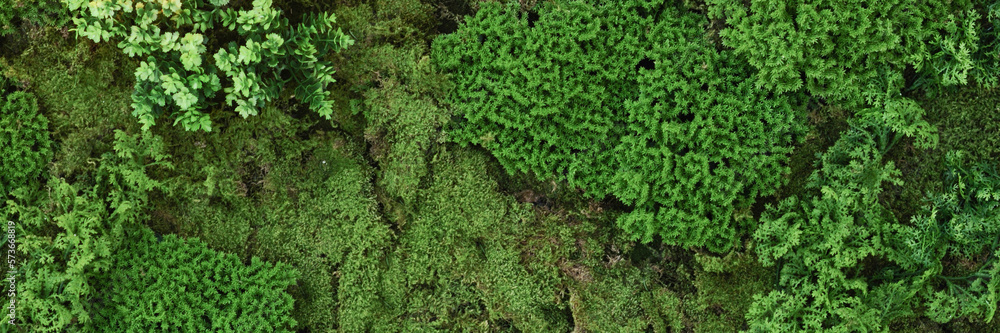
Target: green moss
171,284
726,286
83,89
967,120
25,144
395,89
326,223
457,265
625,299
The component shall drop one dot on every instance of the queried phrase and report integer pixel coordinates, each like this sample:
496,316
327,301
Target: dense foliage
69,236
178,76
14,13
635,104
833,49
818,243
823,246
79,239
500,166
167,284
962,224
25,144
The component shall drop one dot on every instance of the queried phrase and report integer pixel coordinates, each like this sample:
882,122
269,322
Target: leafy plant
626,99
176,76
169,284
951,251
68,237
844,263
966,51
986,53
818,244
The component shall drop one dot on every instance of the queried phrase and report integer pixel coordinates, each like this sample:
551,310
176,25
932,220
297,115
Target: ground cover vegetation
500,166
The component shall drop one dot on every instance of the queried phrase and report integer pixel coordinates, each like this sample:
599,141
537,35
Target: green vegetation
24,139
500,166
835,49
176,285
177,77
817,245
16,13
667,125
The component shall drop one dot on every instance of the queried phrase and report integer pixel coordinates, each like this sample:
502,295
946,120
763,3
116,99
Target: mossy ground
288,186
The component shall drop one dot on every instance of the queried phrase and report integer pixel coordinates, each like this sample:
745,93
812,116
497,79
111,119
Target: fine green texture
328,228
25,145
500,165
953,248
822,246
457,258
624,99
84,92
399,91
180,78
834,48
70,234
168,284
403,124
40,12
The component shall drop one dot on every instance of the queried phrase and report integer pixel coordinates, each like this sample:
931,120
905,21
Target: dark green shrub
177,285
625,99
25,146
176,76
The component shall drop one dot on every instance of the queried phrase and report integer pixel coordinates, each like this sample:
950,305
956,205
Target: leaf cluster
951,250
179,75
40,12
818,244
966,49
